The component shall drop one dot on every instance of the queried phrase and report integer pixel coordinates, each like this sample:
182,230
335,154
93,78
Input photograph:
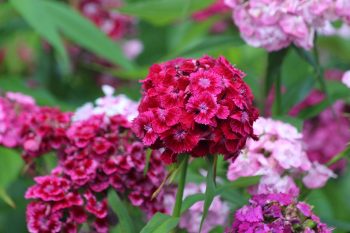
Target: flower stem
181,186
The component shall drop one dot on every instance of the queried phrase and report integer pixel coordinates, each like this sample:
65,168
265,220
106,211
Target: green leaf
60,17
125,223
86,34
210,189
160,223
6,198
11,164
242,182
162,12
37,16
191,200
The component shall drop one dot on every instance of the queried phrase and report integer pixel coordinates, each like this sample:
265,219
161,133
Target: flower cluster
198,107
37,130
191,219
276,24
279,156
15,109
99,153
277,213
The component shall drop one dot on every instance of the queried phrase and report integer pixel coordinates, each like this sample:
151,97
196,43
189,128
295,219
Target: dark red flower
40,218
209,97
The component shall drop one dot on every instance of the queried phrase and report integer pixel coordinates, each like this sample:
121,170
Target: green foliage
125,223
161,12
10,166
59,18
160,223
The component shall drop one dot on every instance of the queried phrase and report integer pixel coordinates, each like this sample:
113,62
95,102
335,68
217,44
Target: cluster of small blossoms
99,153
277,213
278,156
198,107
15,109
275,24
332,120
36,130
191,219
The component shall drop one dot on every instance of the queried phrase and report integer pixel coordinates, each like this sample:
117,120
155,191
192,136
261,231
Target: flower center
180,135
245,116
204,82
148,128
203,108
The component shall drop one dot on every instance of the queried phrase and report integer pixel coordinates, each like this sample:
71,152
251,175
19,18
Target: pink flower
201,93
317,176
132,48
41,219
346,78
279,151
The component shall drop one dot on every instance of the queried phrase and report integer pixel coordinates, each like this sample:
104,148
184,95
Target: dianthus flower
100,153
277,213
316,131
198,107
59,207
15,109
275,24
279,156
191,219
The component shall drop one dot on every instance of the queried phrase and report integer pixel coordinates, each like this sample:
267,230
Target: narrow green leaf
6,198
125,223
191,200
37,16
50,18
209,191
83,32
160,223
11,164
162,12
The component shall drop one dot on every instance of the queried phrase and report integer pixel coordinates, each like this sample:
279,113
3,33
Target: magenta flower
195,106
276,213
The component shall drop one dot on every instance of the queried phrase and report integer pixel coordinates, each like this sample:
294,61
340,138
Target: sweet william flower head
276,213
195,106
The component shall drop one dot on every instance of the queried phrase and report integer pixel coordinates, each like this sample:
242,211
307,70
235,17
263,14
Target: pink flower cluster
316,131
275,24
277,213
191,219
37,130
95,154
194,106
279,156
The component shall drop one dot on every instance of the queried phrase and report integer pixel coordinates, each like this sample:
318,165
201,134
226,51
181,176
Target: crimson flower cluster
100,153
277,213
198,107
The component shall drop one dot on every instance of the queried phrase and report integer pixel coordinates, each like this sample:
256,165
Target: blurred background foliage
36,42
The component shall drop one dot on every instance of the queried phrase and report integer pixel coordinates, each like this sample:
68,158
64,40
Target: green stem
181,186
278,90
